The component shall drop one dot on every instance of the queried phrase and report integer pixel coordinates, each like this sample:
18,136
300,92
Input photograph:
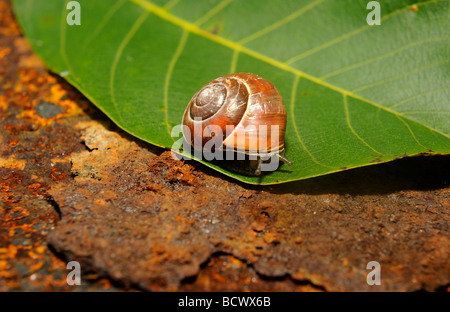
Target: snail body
245,103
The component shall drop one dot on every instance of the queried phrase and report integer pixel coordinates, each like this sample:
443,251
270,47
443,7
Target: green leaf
355,94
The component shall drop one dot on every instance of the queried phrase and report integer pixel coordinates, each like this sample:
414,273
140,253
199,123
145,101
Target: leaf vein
300,140
396,77
417,96
280,23
234,60
412,133
102,24
426,112
213,12
347,118
172,64
380,57
118,55
169,5
351,34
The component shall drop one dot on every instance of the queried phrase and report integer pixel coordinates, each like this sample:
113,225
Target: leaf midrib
193,28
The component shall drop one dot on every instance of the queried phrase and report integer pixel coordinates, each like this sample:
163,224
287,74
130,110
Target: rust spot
215,29
57,174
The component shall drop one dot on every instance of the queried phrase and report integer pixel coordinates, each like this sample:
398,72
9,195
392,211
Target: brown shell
240,100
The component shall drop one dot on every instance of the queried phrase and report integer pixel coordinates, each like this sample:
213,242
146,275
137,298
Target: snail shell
239,100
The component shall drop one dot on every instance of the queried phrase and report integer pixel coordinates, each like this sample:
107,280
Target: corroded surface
152,221
37,114
135,216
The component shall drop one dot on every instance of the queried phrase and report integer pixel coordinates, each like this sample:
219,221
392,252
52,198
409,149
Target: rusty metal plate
152,221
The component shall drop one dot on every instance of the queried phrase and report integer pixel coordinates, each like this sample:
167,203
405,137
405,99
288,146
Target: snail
245,103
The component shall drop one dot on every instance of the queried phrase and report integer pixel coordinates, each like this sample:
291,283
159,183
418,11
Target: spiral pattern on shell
222,101
239,100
